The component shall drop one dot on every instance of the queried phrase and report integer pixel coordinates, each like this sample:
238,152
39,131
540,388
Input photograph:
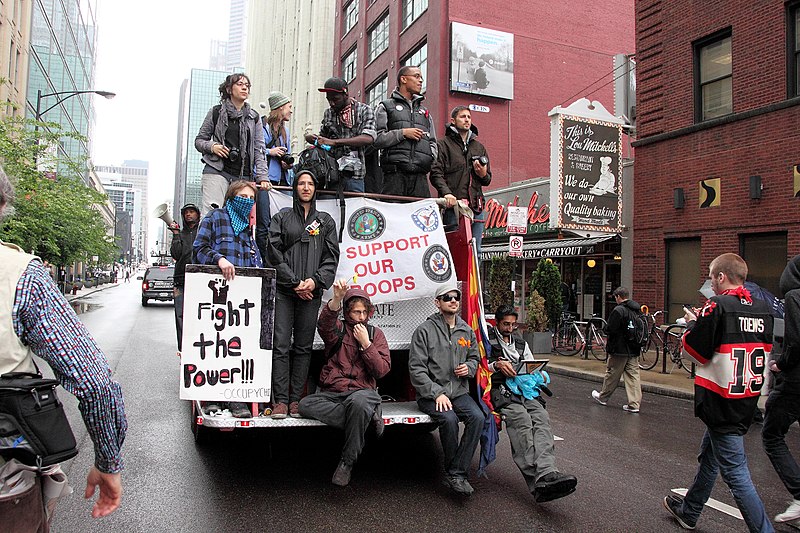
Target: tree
501,272
55,215
546,281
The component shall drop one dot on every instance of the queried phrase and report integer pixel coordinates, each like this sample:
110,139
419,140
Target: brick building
718,143
557,52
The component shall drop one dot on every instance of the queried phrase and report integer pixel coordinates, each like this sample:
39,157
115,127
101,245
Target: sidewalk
86,292
678,384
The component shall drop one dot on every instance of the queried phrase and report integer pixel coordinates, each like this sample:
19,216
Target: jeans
457,455
214,184
263,216
354,185
350,411
295,322
528,426
782,411
449,219
177,294
399,183
724,454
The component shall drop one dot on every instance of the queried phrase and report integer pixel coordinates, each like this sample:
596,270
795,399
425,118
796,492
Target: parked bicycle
664,340
573,336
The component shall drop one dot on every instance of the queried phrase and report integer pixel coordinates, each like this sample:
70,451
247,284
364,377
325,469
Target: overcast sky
145,49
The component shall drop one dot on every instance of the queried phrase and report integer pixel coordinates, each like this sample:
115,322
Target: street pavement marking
715,504
556,437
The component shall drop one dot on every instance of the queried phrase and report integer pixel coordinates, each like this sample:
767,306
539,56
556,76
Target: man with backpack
623,349
358,355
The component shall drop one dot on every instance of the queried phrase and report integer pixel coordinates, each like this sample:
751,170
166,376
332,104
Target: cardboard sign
227,335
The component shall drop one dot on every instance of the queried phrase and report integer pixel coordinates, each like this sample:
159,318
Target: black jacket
181,250
302,247
788,379
414,157
452,171
617,329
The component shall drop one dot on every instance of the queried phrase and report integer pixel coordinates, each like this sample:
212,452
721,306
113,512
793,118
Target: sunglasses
450,298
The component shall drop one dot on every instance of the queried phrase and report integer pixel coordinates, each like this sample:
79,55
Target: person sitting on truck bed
358,355
442,359
527,421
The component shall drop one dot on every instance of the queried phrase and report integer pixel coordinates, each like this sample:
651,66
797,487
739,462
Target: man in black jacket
181,252
406,137
623,353
783,404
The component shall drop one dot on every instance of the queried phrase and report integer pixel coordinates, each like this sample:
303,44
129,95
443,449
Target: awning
549,248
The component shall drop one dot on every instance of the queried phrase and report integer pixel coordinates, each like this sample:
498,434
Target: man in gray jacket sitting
442,359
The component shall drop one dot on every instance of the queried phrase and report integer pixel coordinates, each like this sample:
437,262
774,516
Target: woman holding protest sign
225,238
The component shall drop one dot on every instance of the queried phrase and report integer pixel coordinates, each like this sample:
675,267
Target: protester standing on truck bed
304,250
358,355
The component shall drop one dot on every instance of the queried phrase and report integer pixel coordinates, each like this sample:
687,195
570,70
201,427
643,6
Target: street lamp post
63,95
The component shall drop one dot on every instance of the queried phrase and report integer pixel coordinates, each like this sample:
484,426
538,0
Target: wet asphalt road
280,480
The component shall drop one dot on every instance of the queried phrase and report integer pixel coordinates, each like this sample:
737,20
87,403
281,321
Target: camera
482,159
234,155
287,158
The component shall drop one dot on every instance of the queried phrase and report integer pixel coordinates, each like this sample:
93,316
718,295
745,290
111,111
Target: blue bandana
239,210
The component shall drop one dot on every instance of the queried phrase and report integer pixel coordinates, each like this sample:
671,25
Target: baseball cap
447,287
189,206
334,85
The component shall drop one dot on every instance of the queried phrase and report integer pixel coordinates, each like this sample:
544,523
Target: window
419,58
713,77
377,93
350,16
378,38
765,255
793,36
683,263
412,9
349,66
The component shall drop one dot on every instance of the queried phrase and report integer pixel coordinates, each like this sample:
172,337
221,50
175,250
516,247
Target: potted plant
546,284
501,272
536,334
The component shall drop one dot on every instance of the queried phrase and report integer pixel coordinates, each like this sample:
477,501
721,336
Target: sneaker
240,410
791,513
459,485
630,409
673,504
553,486
377,421
280,411
596,397
212,408
341,477
294,412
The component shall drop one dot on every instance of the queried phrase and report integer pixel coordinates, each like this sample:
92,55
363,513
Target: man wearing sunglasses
442,359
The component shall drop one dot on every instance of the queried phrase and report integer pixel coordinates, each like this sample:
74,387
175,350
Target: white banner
395,251
227,335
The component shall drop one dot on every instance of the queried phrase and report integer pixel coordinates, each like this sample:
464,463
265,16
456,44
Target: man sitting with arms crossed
358,354
527,421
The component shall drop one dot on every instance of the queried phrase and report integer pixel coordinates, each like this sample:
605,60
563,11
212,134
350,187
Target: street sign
517,221
479,108
515,246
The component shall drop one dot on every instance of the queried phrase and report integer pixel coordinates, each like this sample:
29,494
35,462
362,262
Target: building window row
793,35
377,93
713,77
350,18
412,9
349,65
378,39
419,58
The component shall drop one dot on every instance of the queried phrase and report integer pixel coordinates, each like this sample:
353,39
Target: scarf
239,210
230,112
346,114
741,293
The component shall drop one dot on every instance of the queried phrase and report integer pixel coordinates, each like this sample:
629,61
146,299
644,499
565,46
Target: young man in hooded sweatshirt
358,355
783,404
442,359
304,250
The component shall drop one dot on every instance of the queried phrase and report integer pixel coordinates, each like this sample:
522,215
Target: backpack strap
340,332
215,114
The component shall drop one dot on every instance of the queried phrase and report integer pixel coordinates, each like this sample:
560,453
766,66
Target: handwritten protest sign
227,335
392,251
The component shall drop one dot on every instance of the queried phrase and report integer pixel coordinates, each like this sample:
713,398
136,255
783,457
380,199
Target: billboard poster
589,174
481,61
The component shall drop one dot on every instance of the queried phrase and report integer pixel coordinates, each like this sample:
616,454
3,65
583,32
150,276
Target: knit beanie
277,99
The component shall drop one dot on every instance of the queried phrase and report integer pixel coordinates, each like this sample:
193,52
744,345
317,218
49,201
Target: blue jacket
274,163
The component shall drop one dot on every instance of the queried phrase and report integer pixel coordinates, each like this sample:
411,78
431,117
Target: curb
71,298
652,388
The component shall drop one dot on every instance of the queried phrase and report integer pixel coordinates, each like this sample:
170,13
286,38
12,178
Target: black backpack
324,167
637,331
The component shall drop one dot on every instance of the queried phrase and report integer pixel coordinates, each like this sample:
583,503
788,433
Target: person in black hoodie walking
783,404
181,252
623,354
304,250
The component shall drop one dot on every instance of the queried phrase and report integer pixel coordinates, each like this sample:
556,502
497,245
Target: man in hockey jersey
729,339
